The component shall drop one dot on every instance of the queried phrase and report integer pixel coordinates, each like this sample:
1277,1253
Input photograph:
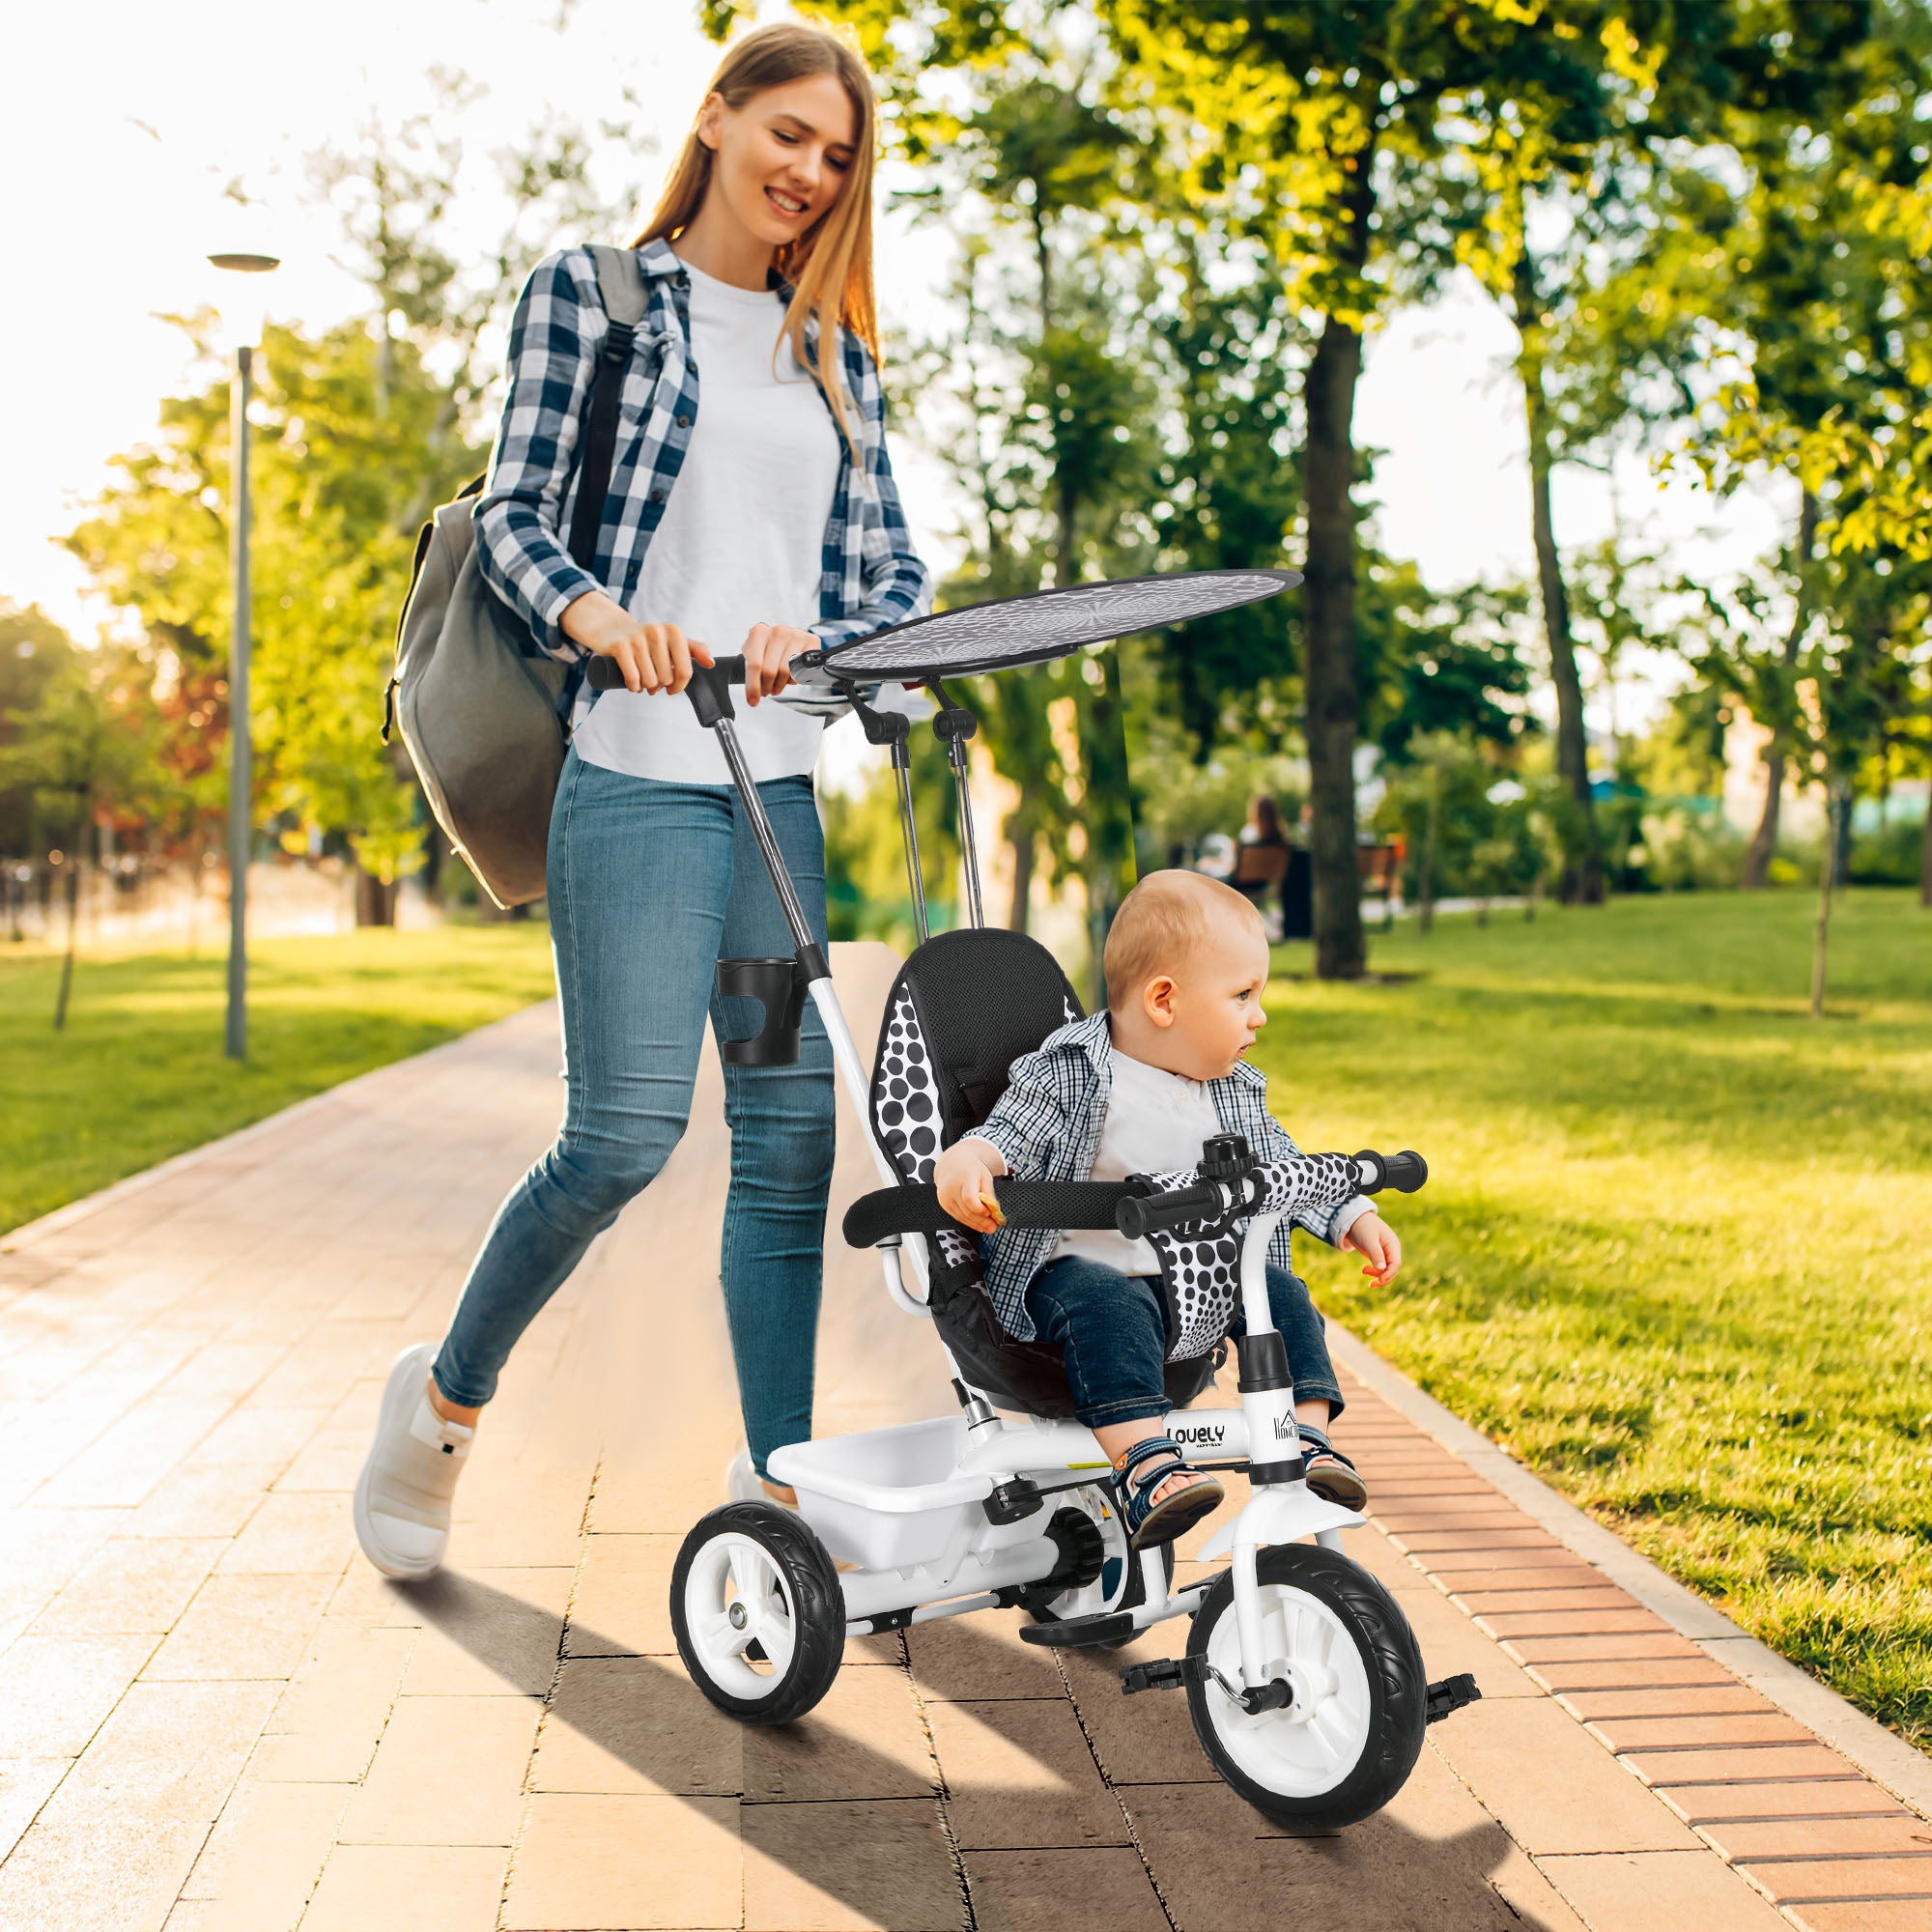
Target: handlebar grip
1139,1213
1405,1172
604,674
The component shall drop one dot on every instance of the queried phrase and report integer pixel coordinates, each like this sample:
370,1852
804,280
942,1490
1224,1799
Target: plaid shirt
868,576
1047,1128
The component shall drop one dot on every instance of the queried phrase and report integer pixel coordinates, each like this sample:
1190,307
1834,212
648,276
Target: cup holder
779,985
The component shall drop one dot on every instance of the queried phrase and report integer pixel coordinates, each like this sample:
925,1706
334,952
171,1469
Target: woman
1263,854
764,520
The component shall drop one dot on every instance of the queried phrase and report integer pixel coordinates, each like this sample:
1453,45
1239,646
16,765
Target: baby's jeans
1112,1332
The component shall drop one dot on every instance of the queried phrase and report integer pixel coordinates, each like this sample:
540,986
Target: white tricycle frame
907,1524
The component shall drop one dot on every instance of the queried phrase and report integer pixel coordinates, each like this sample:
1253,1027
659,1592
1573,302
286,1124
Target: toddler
1136,1090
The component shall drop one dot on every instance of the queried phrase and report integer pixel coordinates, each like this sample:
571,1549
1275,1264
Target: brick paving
213,1715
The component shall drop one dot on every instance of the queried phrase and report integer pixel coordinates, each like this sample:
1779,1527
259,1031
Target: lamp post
242,320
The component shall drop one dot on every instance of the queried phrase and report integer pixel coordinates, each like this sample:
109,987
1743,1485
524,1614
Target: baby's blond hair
1161,923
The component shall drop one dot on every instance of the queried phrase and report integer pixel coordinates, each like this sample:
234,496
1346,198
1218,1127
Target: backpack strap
622,287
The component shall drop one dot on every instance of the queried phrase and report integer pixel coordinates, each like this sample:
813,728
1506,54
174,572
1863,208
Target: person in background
1261,858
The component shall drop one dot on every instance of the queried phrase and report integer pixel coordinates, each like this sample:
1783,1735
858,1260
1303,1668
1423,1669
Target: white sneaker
404,1494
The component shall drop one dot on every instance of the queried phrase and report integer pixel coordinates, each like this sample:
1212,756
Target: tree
1436,662
363,428
84,746
1814,283
35,654
1038,399
1344,130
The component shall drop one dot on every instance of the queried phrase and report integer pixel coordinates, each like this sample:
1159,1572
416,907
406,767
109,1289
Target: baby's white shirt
1155,1122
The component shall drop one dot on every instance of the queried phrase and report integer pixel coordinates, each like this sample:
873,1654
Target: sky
114,197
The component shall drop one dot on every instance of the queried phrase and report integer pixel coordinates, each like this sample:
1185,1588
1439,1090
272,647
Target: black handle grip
914,1210
1140,1212
1405,1172
607,674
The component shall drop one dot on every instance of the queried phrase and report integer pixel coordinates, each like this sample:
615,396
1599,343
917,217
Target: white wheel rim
735,1594
1306,1751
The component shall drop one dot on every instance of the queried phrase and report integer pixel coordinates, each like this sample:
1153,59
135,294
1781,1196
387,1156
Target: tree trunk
1328,626
1023,837
1841,847
1425,870
1925,855
1329,604
375,899
1822,932
73,865
1583,871
1763,847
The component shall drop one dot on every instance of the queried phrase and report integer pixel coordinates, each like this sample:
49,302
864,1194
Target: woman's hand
653,657
768,650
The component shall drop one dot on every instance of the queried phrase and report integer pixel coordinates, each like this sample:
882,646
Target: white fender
1281,1514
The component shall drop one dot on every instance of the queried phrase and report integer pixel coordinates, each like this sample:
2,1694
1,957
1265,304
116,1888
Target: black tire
809,1589
1390,1726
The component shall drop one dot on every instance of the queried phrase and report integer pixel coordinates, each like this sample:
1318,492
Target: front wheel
758,1613
1352,1731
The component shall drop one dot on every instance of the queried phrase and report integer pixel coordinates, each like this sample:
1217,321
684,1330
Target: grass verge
140,1074
1672,1251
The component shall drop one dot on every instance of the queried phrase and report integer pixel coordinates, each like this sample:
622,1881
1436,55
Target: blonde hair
830,265
1161,923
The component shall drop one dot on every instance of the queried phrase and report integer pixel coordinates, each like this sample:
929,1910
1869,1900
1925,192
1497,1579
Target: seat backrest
963,1009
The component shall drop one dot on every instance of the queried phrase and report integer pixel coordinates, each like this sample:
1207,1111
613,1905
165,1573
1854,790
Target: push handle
607,674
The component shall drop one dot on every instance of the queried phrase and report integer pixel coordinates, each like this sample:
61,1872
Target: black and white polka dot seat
963,1009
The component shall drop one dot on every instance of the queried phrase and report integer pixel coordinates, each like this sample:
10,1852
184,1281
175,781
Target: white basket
888,1498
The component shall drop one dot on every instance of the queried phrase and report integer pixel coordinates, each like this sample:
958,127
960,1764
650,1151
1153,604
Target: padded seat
964,1007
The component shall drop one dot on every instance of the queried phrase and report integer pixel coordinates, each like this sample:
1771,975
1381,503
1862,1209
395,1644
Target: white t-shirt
1155,1123
739,545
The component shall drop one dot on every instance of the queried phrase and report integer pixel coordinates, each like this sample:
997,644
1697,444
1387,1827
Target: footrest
1448,1695
1076,1633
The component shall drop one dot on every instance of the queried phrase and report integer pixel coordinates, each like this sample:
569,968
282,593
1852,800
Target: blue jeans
1112,1332
650,885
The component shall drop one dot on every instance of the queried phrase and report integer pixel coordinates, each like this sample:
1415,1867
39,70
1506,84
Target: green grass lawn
140,1074
1673,1251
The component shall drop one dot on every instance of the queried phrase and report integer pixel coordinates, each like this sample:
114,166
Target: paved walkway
213,1715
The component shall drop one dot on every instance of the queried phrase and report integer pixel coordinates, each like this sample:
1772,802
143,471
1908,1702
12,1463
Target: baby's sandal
1140,1472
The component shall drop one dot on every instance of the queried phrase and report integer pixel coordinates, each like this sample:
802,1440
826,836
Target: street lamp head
242,313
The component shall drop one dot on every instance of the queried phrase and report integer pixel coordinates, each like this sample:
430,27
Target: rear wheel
1350,1733
757,1612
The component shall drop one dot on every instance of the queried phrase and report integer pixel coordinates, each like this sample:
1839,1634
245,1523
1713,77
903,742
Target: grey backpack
483,712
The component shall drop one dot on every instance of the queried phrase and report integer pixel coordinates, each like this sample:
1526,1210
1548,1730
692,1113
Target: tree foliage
358,430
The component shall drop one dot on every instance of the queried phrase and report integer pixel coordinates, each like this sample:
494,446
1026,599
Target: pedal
1448,1695
1076,1633
1165,1673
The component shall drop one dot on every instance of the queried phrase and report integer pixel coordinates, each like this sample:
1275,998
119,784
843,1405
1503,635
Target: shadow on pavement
1219,1866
